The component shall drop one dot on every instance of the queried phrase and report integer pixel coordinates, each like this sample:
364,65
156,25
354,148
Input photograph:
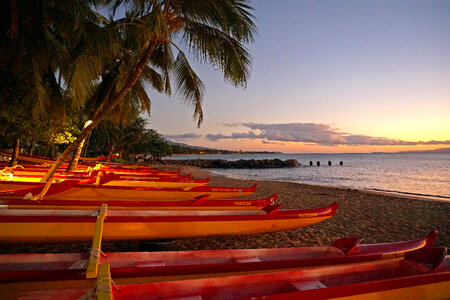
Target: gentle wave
426,175
412,194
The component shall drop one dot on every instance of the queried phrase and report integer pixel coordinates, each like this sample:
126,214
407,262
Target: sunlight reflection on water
423,174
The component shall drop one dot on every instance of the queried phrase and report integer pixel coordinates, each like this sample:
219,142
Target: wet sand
375,217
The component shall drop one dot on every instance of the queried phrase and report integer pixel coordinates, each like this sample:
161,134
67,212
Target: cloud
234,135
272,143
435,142
216,137
184,136
231,124
312,133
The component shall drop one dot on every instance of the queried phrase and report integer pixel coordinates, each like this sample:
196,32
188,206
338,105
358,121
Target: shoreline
373,216
368,190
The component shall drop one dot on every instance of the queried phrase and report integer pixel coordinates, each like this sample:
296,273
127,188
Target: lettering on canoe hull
392,255
242,203
227,190
308,215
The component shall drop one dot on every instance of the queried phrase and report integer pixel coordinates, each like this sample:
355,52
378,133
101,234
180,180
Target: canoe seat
146,264
246,259
308,285
79,264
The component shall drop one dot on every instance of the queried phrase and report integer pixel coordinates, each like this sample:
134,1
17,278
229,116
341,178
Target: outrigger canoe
19,272
36,172
43,167
31,159
27,226
116,180
41,171
423,274
86,190
198,203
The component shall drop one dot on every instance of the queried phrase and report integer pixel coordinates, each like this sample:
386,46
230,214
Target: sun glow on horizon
291,147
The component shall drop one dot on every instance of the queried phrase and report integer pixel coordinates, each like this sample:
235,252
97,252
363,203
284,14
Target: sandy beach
375,217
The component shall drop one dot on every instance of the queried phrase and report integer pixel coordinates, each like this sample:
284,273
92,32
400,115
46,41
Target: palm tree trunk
31,148
111,150
15,153
14,31
100,116
74,162
53,150
86,146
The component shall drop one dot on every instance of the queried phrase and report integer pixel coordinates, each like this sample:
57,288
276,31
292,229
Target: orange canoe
25,226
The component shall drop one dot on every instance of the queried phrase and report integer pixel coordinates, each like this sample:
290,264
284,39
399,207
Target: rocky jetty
235,164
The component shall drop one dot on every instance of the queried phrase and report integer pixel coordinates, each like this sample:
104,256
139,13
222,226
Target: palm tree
141,46
37,40
134,103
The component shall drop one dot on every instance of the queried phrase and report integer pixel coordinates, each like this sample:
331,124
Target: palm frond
162,58
189,85
215,47
154,79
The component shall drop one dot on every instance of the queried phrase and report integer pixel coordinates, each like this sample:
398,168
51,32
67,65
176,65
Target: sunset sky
329,76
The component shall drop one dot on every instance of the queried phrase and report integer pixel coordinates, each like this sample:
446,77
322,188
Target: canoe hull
24,226
156,184
18,232
68,190
399,279
145,267
200,203
80,288
140,194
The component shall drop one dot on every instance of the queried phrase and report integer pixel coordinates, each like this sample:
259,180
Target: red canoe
88,191
161,266
111,179
422,274
198,203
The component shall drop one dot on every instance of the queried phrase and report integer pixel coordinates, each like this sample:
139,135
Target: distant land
183,149
441,150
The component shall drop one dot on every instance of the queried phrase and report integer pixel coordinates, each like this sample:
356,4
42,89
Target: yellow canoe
28,226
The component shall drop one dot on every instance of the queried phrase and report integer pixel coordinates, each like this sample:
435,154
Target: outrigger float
27,226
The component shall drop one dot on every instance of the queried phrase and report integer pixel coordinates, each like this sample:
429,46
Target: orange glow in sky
356,76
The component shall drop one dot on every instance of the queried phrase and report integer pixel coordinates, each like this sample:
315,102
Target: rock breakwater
235,164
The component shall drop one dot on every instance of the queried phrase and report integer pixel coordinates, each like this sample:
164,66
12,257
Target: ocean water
422,174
